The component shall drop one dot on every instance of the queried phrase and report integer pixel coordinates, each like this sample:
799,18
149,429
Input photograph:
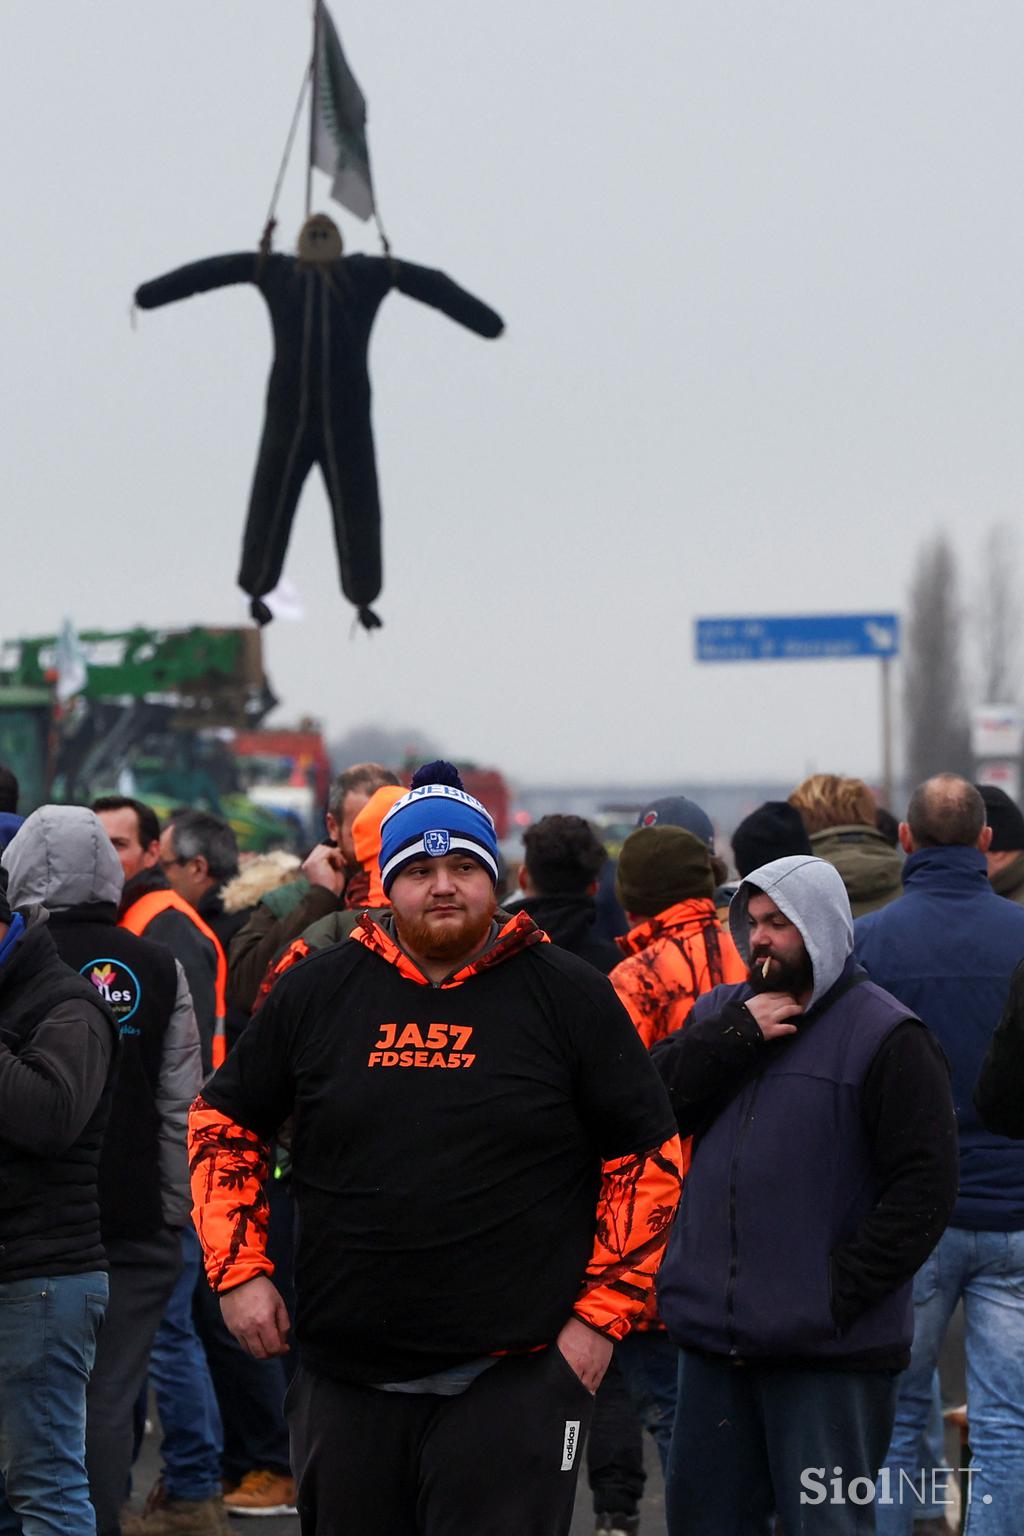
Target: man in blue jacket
823,1172
947,949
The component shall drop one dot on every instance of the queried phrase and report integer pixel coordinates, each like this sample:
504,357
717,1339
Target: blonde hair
828,800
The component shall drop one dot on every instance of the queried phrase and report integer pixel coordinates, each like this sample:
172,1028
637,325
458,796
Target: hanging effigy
322,305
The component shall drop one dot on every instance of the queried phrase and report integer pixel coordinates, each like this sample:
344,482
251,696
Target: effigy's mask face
319,240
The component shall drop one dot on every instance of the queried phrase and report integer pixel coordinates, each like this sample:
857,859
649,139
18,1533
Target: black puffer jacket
58,1050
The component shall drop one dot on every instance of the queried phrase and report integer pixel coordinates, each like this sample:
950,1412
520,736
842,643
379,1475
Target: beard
793,976
449,939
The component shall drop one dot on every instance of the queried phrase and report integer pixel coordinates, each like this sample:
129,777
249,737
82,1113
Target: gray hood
61,857
811,894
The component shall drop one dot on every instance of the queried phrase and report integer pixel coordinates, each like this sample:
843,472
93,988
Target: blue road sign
808,637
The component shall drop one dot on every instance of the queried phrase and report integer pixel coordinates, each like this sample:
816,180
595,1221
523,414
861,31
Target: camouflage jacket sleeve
231,1125
635,1210
228,1166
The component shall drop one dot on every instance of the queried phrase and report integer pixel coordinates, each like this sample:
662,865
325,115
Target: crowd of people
540,1158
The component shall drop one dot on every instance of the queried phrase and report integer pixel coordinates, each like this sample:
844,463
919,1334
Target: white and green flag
71,665
339,123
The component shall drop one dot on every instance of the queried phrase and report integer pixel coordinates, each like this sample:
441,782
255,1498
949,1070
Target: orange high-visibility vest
138,918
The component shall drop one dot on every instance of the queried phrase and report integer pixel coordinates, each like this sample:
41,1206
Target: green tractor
150,713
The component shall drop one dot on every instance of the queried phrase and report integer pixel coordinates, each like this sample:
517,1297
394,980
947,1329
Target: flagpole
312,107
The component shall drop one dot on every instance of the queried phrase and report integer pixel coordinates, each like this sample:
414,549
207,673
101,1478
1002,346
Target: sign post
997,741
811,637
885,662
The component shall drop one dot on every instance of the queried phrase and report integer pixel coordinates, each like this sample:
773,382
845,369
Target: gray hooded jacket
62,860
812,895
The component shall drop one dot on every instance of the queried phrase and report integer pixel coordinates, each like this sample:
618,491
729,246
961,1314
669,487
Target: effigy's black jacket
318,397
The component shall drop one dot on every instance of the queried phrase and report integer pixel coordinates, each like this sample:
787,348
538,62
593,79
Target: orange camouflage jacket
671,960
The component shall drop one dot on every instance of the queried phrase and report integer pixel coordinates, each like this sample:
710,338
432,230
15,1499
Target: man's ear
984,840
202,866
524,882
906,840
332,827
151,855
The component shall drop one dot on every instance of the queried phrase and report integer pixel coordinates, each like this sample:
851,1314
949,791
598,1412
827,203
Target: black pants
615,1451
250,1393
500,1459
749,1440
142,1275
343,448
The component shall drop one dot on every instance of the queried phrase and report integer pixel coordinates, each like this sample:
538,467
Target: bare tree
998,617
935,713
394,746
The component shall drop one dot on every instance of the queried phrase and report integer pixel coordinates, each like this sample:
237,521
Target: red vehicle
286,771
488,786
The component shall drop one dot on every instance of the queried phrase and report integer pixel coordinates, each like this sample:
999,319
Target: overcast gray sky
761,266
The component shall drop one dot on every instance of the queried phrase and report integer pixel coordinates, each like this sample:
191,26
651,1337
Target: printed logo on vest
436,843
119,988
570,1443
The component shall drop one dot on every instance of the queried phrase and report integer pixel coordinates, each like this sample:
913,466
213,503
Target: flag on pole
338,138
72,669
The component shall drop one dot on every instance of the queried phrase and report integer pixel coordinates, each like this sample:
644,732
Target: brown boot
262,1492
178,1517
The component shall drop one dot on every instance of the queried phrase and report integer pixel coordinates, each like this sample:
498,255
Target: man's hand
257,1316
325,866
586,1351
771,1010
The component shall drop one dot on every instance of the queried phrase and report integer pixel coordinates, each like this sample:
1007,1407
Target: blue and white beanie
434,819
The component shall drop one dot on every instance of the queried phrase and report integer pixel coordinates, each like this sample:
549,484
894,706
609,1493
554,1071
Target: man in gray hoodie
824,1170
58,1048
62,860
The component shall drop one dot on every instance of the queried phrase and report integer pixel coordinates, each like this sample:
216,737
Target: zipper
730,1289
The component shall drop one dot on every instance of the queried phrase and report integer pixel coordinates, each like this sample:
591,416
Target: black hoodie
569,922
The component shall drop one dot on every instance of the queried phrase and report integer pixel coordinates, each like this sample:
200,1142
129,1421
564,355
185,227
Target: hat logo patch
650,819
436,843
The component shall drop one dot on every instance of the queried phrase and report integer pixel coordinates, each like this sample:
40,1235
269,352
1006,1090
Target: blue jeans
986,1269
933,1457
185,1400
48,1330
650,1363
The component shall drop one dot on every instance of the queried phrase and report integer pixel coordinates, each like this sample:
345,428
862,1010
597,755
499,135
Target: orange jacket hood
676,922
366,837
517,934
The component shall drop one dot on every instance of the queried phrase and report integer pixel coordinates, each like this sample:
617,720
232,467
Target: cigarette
764,968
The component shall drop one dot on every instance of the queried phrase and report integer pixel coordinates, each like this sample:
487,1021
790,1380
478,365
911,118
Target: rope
385,243
271,223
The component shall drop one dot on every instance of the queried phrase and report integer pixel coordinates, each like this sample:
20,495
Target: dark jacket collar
1010,880
566,919
88,912
955,870
851,974
211,904
142,884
